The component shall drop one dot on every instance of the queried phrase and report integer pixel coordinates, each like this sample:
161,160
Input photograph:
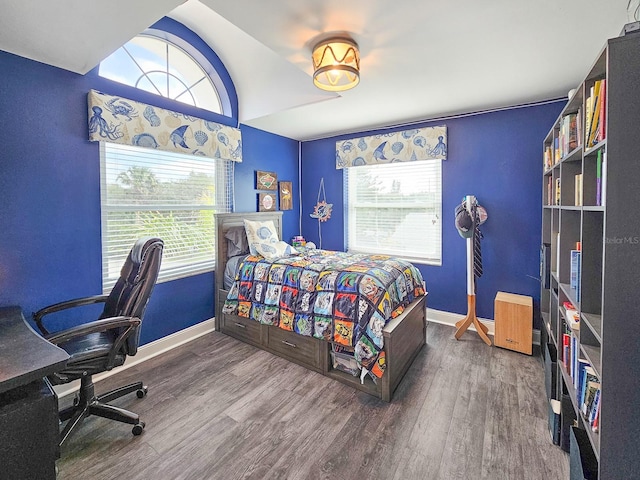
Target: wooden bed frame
404,336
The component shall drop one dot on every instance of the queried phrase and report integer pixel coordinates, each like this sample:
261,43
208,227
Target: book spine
599,178
587,117
595,114
603,194
602,126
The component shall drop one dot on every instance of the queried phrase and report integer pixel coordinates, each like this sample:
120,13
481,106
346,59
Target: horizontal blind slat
145,192
395,209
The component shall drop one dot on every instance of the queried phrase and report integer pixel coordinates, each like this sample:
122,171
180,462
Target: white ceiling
419,59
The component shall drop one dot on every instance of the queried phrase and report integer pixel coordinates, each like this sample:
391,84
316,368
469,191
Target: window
159,66
146,192
396,209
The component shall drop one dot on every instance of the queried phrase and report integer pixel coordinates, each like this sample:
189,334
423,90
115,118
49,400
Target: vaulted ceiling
419,59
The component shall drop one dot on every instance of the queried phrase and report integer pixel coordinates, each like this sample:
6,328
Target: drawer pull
289,343
239,325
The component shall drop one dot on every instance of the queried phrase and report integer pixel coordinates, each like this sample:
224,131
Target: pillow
263,240
236,242
260,232
278,249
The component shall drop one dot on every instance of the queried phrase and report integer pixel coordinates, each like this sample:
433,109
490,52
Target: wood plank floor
221,409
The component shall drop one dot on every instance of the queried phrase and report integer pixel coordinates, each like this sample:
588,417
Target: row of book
553,193
583,376
588,395
553,186
572,134
595,114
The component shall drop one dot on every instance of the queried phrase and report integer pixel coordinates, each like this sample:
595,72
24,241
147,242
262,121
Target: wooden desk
28,405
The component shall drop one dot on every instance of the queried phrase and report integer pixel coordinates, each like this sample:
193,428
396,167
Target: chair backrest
131,293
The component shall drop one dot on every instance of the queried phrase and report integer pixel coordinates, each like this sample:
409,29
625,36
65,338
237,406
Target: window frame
349,223
223,202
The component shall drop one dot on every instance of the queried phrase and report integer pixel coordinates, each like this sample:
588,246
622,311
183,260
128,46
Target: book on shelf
574,271
595,114
575,348
603,182
589,376
594,407
578,190
579,378
579,130
588,110
596,420
549,191
556,150
557,191
601,130
566,350
599,178
548,158
555,410
589,397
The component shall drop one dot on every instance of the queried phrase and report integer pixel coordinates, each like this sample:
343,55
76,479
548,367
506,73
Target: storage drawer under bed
297,348
242,328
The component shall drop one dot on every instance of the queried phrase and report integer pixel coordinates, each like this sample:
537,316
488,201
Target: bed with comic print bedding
359,319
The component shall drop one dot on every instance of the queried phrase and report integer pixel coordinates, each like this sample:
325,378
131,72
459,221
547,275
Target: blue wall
50,244
495,156
50,240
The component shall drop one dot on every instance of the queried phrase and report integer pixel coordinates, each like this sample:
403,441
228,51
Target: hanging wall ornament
322,209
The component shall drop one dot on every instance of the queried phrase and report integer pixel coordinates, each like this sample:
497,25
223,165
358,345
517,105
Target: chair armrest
129,325
57,307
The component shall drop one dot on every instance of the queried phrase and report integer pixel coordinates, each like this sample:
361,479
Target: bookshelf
596,210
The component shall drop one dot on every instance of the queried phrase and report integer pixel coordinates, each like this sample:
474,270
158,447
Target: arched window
161,63
147,191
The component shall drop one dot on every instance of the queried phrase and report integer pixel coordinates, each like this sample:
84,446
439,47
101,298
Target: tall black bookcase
608,231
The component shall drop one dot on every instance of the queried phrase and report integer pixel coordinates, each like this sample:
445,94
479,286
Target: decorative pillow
263,240
236,242
260,232
271,251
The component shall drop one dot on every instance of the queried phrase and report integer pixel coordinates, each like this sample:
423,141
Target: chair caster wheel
138,428
142,392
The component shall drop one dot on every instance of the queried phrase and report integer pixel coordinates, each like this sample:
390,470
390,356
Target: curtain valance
119,120
427,143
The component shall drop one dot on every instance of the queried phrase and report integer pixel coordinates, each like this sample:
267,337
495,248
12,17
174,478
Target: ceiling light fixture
336,64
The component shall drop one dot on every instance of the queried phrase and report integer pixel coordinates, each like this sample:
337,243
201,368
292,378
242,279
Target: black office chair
105,343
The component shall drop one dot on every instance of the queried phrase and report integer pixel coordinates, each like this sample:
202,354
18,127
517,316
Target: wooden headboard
224,221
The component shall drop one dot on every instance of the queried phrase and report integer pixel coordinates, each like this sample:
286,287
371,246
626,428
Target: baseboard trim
147,352
448,318
164,344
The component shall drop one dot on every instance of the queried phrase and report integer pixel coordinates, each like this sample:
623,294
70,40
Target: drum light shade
336,64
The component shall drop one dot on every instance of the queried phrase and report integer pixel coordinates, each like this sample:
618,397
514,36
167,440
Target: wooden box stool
513,322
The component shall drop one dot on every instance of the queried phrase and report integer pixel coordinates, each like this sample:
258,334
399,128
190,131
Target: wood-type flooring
221,409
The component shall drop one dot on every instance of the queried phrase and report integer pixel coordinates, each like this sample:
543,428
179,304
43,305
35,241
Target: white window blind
146,192
396,209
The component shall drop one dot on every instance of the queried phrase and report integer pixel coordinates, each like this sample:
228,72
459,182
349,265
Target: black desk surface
24,355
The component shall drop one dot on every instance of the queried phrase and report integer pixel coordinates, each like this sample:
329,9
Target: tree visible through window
396,209
166,195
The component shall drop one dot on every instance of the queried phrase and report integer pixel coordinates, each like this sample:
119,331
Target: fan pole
471,317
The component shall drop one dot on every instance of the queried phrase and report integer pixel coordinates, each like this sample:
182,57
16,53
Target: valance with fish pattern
429,143
119,120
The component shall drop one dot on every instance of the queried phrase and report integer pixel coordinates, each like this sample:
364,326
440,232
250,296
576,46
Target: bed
400,340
